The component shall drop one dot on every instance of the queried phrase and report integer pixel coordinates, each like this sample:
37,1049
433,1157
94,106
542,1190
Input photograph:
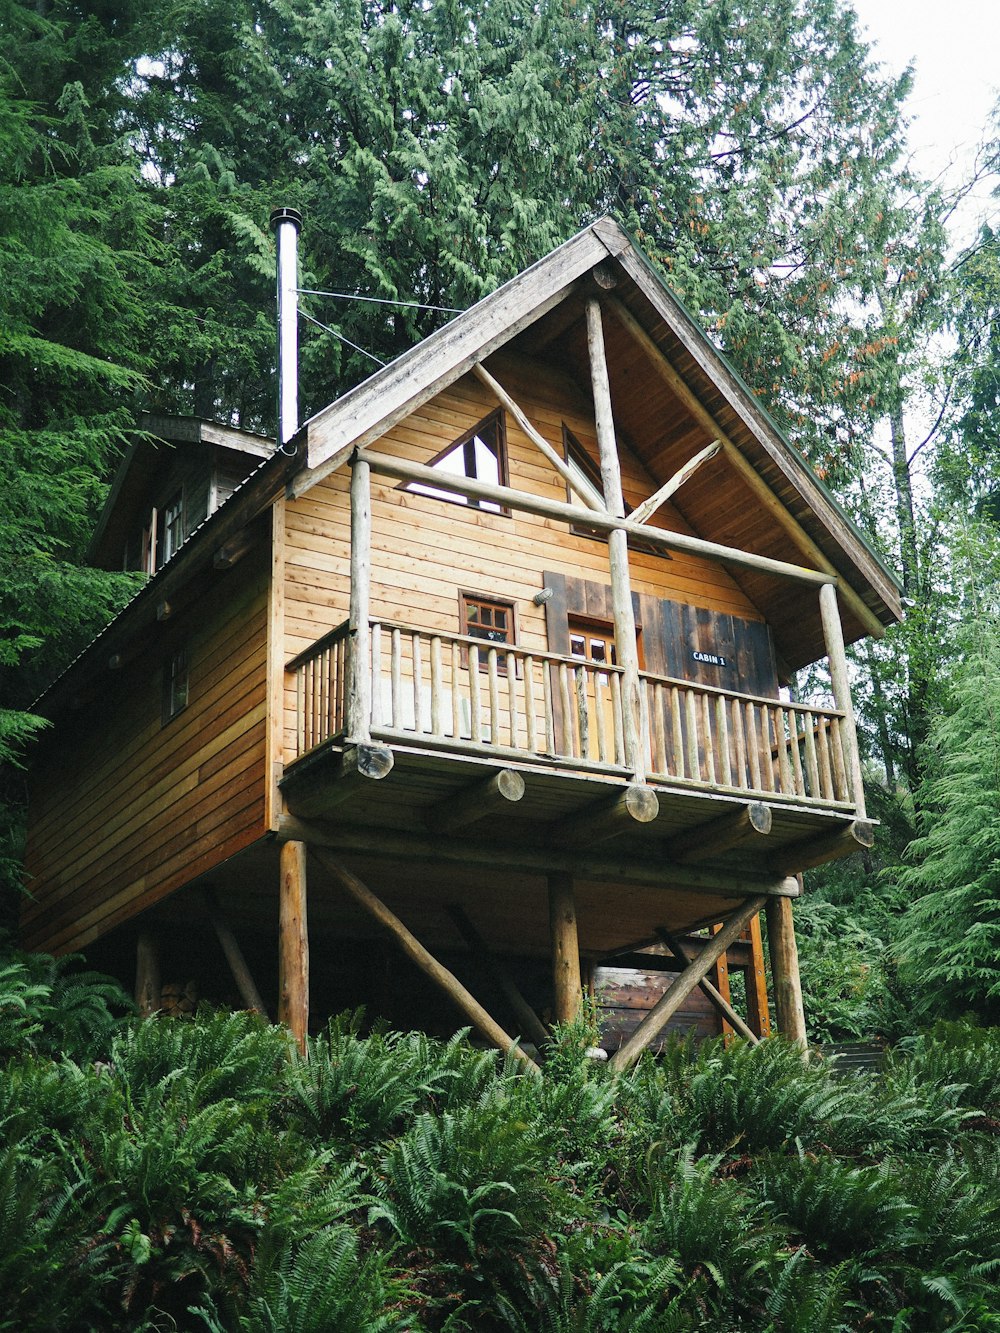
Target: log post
293,943
621,586
566,981
359,703
788,1008
668,1004
147,974
758,1015
530,1024
833,634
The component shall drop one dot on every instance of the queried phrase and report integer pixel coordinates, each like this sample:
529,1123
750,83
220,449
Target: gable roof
788,513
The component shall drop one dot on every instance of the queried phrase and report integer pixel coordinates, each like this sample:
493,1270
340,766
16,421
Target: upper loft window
588,474
173,527
481,455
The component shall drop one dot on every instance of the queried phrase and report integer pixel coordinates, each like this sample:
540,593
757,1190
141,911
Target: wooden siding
126,808
425,552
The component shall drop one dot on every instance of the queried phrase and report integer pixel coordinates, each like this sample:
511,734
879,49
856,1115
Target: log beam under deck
608,818
309,794
489,796
751,824
857,836
395,844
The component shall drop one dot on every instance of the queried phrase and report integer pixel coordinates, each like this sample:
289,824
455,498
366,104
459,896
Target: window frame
465,598
175,693
495,420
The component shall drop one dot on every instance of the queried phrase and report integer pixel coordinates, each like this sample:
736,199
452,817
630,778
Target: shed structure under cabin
476,690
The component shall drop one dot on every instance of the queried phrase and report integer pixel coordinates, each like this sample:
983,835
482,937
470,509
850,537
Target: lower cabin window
175,685
490,619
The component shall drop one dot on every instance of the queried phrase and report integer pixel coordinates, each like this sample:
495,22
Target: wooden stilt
147,974
425,961
293,943
530,1024
788,1007
668,1004
720,997
566,981
758,1015
245,984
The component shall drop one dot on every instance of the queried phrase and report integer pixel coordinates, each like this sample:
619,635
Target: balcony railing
452,692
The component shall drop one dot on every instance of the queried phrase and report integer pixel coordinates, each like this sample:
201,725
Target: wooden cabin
478,687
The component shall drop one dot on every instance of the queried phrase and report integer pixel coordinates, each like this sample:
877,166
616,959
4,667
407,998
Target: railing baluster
645,727
812,766
396,679
300,712
753,747
742,777
493,679
475,696
550,727
456,691
706,717
825,770
781,719
513,720
693,748
417,670
582,720
677,739
436,685
793,725
567,712
659,729
722,728
376,636
767,751
529,703
840,783
618,718
601,715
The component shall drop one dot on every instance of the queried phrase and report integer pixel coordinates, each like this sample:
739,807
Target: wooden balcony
455,695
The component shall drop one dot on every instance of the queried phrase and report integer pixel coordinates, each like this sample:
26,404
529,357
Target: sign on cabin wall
687,642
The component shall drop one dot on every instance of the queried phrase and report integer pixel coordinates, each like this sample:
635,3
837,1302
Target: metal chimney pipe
286,223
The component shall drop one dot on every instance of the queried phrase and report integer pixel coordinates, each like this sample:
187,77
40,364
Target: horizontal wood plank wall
125,808
425,551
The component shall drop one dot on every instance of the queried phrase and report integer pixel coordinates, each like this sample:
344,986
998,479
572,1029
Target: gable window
480,454
172,527
588,474
175,685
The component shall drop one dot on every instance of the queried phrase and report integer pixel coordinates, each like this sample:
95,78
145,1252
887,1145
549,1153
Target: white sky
954,46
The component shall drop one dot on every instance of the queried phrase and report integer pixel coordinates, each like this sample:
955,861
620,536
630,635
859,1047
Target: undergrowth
202,1175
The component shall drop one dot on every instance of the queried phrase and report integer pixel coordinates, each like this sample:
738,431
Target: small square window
489,619
175,685
172,528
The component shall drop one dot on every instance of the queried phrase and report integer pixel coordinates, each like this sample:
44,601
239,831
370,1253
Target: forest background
756,151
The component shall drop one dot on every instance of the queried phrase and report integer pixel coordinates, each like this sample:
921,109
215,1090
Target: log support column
788,1008
293,943
621,586
147,974
359,698
566,981
833,633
